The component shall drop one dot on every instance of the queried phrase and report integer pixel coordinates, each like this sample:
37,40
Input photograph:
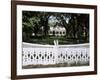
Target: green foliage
39,23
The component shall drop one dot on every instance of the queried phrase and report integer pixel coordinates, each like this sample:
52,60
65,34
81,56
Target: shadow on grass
50,40
56,65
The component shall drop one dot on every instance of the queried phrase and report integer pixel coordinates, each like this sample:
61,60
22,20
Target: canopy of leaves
37,25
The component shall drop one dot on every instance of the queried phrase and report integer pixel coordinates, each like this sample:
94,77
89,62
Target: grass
56,65
50,40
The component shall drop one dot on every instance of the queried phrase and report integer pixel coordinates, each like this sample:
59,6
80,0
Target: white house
57,31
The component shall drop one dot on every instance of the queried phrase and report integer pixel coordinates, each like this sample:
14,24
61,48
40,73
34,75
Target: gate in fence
46,54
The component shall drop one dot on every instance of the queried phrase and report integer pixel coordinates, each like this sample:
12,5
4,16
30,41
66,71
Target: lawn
50,40
55,65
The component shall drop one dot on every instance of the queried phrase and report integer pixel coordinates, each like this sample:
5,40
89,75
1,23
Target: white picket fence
34,54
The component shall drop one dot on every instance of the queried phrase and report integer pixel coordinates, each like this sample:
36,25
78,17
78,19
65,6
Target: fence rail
35,54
